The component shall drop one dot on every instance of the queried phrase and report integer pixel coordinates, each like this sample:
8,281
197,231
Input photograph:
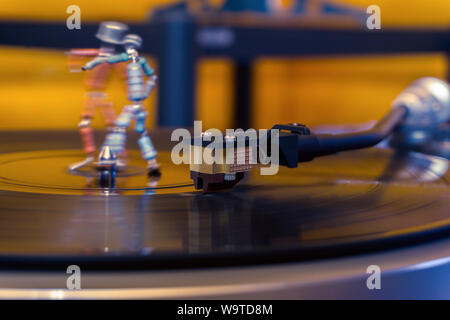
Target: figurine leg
87,136
117,137
108,112
145,143
86,133
109,116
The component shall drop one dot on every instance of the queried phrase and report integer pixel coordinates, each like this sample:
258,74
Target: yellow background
38,92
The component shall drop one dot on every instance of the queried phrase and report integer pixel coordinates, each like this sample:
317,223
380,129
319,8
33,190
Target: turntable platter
349,203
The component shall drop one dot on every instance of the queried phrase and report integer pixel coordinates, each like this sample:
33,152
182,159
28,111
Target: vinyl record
349,203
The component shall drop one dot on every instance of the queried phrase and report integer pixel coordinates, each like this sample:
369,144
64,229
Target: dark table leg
177,72
243,95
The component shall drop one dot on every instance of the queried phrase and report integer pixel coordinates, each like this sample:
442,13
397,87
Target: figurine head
111,32
132,41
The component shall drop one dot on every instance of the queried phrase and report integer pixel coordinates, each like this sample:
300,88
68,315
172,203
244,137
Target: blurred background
37,91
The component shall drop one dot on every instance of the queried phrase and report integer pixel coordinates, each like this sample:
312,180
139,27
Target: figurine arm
83,52
94,62
123,57
147,69
110,59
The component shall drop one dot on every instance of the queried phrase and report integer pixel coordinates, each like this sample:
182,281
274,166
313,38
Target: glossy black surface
345,204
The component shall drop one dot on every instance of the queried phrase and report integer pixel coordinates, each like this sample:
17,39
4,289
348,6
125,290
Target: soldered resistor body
135,82
147,149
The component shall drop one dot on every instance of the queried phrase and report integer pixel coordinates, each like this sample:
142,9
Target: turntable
309,232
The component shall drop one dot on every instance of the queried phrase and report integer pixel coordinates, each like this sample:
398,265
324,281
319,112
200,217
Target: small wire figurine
110,34
138,90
